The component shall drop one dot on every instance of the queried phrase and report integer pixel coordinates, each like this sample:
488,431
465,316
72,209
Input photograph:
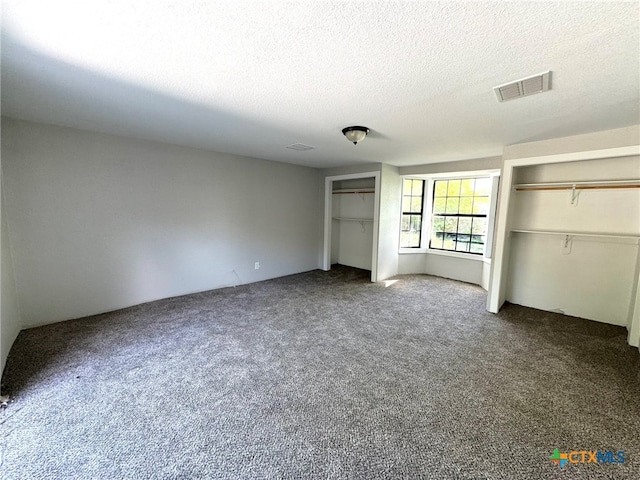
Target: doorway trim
328,203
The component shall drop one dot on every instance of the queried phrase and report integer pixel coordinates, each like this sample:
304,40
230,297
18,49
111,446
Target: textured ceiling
252,77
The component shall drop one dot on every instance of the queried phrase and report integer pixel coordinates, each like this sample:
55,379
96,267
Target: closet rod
603,184
578,187
346,192
579,234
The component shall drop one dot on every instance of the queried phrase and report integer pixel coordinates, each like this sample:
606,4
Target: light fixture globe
355,134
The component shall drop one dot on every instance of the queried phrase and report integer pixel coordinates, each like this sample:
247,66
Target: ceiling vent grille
301,147
524,87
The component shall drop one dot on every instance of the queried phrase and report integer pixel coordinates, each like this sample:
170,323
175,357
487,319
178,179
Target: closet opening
351,221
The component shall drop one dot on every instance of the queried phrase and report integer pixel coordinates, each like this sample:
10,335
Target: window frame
411,213
458,216
427,216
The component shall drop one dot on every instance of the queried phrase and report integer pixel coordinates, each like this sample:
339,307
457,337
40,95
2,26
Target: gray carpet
321,375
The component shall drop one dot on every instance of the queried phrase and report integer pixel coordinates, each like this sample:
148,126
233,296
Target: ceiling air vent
524,87
301,147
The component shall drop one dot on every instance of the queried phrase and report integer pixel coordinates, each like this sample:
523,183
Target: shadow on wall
49,90
182,228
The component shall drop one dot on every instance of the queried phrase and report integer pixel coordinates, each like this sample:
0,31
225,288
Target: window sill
403,251
465,256
444,253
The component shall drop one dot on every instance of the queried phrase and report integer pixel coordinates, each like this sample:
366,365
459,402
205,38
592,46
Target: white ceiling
252,77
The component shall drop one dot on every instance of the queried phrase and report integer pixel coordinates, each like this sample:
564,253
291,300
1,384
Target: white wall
100,222
463,269
389,226
471,165
619,137
595,280
9,313
470,270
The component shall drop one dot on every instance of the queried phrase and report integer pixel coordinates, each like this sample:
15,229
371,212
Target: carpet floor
322,375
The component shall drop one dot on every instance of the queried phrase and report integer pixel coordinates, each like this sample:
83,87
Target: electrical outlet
257,266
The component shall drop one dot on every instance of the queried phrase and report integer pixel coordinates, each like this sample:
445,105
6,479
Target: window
459,214
449,214
412,209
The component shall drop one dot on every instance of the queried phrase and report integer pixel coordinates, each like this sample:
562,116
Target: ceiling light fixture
355,134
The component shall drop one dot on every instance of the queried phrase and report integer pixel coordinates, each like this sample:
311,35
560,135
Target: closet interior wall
352,222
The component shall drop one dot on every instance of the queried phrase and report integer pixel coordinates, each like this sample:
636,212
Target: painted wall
10,323
619,137
471,165
389,226
352,169
470,270
100,222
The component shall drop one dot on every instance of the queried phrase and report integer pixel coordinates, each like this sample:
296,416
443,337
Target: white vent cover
301,147
524,87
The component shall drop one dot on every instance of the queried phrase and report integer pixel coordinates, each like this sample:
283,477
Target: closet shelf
581,185
580,234
353,190
354,219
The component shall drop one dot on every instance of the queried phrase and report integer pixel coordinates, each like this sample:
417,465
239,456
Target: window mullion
427,212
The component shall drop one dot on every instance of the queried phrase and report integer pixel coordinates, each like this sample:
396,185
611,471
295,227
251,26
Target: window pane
449,241
481,205
416,223
414,239
441,188
454,188
466,187
479,226
477,248
483,186
462,247
461,237
439,205
464,225
405,239
451,224
406,222
436,239
466,205
438,224
412,202
452,204
411,230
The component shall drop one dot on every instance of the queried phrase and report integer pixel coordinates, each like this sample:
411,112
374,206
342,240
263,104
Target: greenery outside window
446,214
412,211
459,215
